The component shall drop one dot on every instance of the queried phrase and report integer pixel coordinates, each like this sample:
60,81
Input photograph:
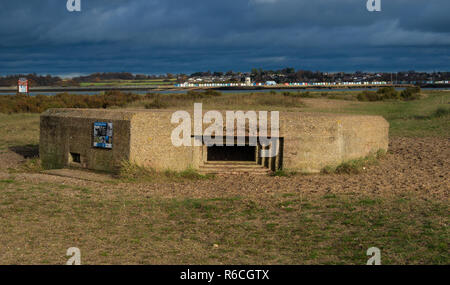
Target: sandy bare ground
412,164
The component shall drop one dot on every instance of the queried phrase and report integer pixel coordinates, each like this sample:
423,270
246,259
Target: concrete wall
311,141
68,130
151,143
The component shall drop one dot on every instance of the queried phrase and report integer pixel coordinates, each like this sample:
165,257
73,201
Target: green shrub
441,112
410,93
389,93
369,96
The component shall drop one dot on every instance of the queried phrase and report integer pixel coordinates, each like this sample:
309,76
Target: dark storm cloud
153,36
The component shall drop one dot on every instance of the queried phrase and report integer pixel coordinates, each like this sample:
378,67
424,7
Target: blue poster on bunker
103,135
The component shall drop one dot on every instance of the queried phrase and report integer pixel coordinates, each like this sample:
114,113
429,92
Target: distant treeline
33,80
118,76
49,80
38,104
285,75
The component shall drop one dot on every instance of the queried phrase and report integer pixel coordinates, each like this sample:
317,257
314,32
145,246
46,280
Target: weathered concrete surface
65,131
143,138
310,141
313,141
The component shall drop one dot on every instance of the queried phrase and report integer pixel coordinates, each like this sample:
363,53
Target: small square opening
75,157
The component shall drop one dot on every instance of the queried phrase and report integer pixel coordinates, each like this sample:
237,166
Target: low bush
410,93
370,96
389,93
37,104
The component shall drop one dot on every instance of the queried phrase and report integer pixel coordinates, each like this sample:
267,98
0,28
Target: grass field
411,118
18,130
316,219
39,219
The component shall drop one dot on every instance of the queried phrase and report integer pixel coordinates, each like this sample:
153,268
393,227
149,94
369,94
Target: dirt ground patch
10,159
400,205
412,164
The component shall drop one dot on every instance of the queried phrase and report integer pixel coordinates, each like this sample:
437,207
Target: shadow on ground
26,151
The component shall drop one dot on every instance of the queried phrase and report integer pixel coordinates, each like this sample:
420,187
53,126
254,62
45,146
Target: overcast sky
160,36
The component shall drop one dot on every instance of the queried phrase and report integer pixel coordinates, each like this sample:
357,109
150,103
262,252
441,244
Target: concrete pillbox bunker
100,139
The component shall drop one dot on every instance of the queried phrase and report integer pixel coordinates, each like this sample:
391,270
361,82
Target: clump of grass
132,172
380,154
440,112
32,165
370,96
328,169
355,166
